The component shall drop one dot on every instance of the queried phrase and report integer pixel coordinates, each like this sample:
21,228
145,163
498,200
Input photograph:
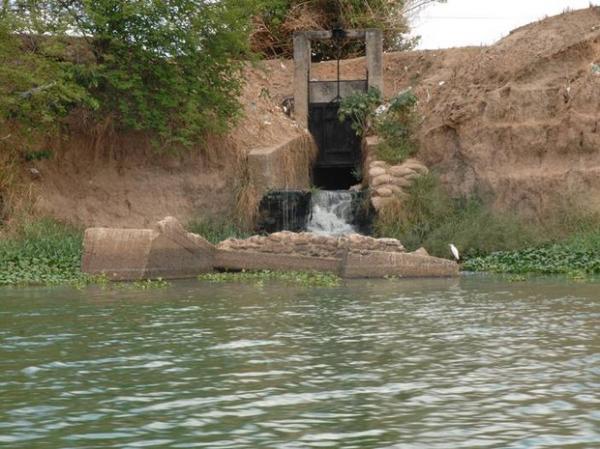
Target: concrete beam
269,167
378,264
374,50
326,35
301,78
252,261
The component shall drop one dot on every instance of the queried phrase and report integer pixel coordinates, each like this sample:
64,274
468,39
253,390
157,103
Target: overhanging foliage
171,67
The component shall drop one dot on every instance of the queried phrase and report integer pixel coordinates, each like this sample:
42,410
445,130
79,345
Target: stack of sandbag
392,181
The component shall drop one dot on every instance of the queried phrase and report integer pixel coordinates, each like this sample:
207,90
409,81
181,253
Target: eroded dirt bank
101,178
516,122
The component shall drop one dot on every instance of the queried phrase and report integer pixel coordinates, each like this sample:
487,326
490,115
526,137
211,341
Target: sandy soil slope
99,178
516,122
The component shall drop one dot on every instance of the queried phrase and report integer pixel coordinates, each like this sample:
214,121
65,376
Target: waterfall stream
331,212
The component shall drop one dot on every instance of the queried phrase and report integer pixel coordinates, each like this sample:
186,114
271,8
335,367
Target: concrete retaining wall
251,260
286,166
169,252
376,264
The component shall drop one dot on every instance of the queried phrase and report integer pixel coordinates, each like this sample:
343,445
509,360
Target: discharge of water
331,213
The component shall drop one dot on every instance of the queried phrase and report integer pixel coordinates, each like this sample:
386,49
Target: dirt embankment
98,177
516,122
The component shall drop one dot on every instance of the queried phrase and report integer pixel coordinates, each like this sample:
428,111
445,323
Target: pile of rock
391,181
312,245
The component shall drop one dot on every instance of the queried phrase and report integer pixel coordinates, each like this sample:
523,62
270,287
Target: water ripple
399,365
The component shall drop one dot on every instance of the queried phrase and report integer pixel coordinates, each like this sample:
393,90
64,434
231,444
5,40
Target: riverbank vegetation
45,252
393,122
216,230
491,241
41,252
170,68
578,256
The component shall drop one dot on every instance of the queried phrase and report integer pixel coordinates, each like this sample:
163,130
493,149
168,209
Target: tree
274,27
171,67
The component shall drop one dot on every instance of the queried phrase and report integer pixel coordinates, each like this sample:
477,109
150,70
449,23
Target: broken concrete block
252,261
167,251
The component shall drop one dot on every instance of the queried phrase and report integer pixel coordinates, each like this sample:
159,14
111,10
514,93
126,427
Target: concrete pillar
301,77
374,47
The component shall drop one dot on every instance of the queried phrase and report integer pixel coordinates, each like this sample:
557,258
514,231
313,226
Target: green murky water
475,363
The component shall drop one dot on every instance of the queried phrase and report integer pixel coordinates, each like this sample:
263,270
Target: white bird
454,251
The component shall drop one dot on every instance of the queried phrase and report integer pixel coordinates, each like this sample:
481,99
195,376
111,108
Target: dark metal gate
338,144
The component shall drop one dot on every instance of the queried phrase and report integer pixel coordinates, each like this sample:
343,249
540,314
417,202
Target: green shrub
396,127
359,108
216,230
579,255
394,123
172,68
36,87
43,252
430,218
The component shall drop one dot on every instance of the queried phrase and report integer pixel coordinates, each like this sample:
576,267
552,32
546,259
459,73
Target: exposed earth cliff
516,122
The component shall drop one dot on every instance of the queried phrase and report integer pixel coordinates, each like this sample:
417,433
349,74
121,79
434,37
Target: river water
471,363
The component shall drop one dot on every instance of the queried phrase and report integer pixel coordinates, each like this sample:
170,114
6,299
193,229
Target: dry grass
247,202
16,196
298,161
296,164
300,18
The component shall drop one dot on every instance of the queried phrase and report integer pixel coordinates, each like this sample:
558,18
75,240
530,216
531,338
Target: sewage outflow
331,213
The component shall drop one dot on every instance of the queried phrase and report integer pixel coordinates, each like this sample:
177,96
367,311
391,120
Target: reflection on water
475,363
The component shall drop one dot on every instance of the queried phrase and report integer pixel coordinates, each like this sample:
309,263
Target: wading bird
454,251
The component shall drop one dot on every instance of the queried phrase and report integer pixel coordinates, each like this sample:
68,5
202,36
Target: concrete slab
168,252
251,260
377,264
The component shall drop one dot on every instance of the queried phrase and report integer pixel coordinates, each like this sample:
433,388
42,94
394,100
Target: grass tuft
216,230
567,242
429,218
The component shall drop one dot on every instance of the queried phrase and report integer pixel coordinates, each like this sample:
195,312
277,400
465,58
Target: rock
246,260
35,173
389,241
167,251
